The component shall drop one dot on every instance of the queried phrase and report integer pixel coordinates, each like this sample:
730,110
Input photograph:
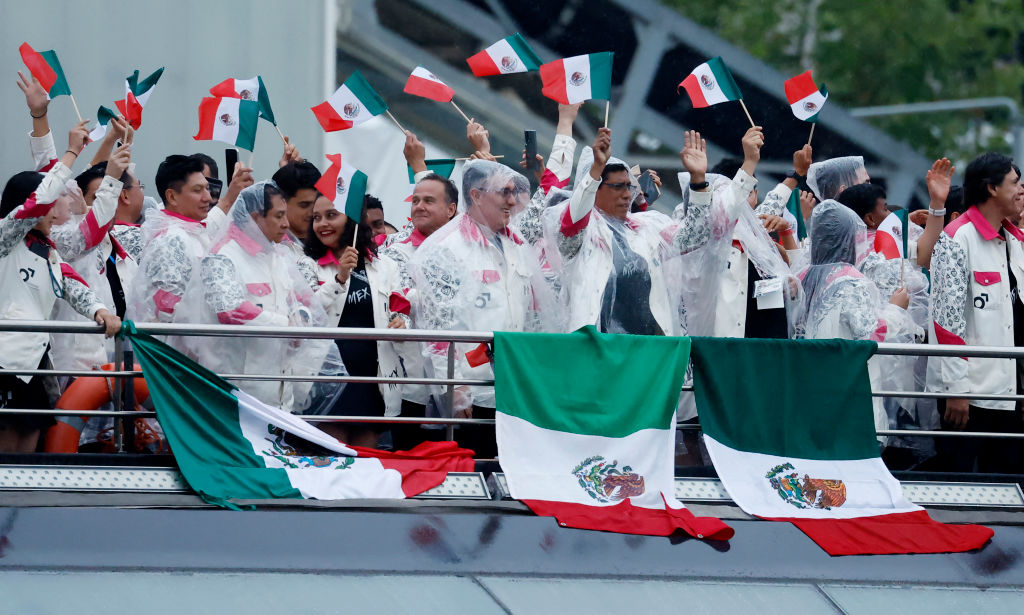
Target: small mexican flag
579,78
229,445
711,83
231,120
805,98
441,166
135,96
597,457
424,83
345,186
509,55
790,429
103,117
353,103
891,235
794,209
45,67
247,89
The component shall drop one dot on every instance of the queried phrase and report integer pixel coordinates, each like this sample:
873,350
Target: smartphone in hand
530,144
649,188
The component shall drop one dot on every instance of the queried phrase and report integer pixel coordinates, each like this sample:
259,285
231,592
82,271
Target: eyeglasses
617,187
215,187
507,192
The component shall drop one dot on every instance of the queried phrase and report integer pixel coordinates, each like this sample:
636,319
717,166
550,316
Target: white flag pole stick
903,264
355,230
75,105
811,136
607,108
280,134
464,116
394,120
752,124
252,156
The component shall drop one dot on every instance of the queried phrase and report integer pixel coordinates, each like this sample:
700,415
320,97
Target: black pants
986,455
407,436
480,438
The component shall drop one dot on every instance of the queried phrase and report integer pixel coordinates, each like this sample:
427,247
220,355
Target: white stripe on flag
348,106
225,124
543,470
254,416
248,89
503,51
808,106
577,78
714,94
870,489
345,174
423,73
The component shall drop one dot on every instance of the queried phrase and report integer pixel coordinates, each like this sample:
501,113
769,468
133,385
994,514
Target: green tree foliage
871,52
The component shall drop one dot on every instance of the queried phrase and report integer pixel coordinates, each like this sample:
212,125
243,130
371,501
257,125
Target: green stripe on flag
60,87
356,196
522,49
139,88
724,78
248,121
104,115
199,415
792,398
365,93
590,383
904,217
794,208
264,101
824,92
601,75
441,166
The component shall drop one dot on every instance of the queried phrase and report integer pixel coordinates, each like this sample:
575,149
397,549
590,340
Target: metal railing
123,396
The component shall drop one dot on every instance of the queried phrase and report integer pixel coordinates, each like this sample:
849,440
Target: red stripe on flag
624,518
131,110
327,185
424,466
426,88
225,89
42,71
886,245
482,65
800,87
329,118
207,118
552,76
910,532
692,87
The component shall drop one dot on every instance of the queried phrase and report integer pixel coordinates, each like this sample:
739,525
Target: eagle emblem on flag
340,185
508,63
246,95
577,79
605,482
810,107
707,82
302,454
228,120
350,110
806,492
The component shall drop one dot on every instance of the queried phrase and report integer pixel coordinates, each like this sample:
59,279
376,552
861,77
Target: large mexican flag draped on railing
790,431
231,446
586,429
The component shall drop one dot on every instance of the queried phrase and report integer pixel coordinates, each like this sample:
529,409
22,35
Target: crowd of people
502,251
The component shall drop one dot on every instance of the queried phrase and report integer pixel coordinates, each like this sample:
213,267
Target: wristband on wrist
796,176
72,152
786,233
700,185
937,212
37,117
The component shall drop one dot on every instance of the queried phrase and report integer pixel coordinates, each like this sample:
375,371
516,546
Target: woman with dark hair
33,277
359,288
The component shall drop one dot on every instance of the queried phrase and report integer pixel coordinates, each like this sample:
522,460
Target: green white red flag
136,95
103,117
790,429
231,446
805,98
891,235
509,55
345,186
599,457
45,67
231,120
353,103
247,89
424,83
579,78
711,83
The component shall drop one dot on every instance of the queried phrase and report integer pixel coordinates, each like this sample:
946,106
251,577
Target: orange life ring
85,393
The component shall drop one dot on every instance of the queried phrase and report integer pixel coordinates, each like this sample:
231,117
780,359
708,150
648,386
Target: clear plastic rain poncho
245,279
830,177
472,278
730,218
840,302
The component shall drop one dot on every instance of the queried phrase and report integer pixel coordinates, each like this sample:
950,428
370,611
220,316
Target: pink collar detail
184,218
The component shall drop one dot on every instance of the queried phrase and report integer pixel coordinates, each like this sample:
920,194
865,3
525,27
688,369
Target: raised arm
938,180
75,239
44,153
774,202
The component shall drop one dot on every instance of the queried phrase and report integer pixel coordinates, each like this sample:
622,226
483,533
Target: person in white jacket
358,288
977,269
33,277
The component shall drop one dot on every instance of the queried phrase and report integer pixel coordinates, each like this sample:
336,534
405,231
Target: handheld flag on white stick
891,235
136,94
45,67
353,103
247,89
231,120
579,78
103,117
424,83
805,98
509,55
712,83
345,186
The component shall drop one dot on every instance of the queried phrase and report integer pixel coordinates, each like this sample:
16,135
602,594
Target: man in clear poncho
477,274
249,278
840,302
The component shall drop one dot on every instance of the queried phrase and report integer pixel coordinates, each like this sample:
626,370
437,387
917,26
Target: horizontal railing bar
930,395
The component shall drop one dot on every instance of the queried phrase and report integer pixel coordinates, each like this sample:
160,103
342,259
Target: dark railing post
450,395
129,398
115,396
